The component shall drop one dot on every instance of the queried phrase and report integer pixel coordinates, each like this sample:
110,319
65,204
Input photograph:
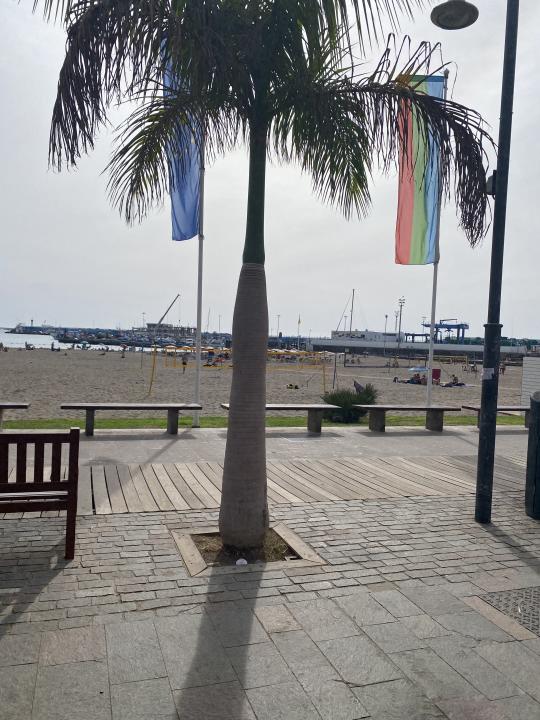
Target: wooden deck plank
416,473
197,485
411,488
283,484
335,474
214,475
446,468
292,475
294,480
118,503
183,488
145,496
202,479
380,486
367,487
331,479
469,465
84,491
131,495
437,465
214,471
159,495
329,486
201,492
378,483
102,502
170,488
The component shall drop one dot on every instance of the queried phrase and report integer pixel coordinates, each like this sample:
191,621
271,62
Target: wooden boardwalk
110,489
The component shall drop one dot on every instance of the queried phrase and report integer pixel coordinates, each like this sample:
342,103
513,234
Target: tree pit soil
274,549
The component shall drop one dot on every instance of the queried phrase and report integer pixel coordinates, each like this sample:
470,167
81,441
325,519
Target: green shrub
346,399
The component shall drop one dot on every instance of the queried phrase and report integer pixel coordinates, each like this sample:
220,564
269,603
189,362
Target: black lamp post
453,15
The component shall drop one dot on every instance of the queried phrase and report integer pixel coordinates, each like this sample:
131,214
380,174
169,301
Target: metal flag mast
198,343
435,278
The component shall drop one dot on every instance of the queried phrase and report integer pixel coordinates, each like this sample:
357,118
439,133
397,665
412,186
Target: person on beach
184,363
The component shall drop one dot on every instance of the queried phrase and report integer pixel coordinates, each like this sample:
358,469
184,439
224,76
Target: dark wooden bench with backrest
27,489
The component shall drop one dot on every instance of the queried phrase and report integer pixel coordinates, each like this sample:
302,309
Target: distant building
369,335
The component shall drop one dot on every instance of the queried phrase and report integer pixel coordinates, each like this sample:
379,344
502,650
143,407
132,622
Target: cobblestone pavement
392,627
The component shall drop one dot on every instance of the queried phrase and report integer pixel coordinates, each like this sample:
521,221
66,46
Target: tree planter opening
203,553
215,553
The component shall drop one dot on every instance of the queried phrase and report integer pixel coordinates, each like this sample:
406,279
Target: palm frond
337,127
116,47
163,128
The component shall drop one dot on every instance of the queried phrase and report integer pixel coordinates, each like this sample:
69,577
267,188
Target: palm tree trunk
243,517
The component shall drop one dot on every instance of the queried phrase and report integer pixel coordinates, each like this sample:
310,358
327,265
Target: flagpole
435,279
198,343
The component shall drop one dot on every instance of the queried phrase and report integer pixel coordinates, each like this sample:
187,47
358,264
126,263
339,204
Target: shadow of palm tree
207,654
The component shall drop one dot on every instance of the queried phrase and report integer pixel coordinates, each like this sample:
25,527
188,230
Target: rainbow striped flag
418,195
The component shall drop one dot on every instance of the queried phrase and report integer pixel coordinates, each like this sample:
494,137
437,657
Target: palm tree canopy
285,69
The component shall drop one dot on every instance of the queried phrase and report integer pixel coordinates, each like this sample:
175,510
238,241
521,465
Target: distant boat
29,330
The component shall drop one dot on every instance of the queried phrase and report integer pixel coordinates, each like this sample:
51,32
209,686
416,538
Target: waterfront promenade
414,612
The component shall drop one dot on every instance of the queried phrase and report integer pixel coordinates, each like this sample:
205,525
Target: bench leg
314,421
377,420
434,420
89,425
527,418
71,523
172,422
1,418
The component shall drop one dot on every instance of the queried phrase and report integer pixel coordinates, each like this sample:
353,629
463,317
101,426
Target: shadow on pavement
23,585
207,655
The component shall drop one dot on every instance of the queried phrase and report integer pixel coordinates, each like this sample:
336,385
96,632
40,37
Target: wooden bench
315,412
172,411
41,488
501,409
11,406
434,414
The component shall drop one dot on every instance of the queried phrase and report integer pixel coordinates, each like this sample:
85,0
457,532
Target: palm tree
282,77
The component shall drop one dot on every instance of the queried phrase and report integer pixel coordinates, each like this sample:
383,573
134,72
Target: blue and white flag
185,174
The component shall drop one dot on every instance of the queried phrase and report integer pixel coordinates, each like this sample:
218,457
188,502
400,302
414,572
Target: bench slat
4,463
131,406
411,408
39,453
16,506
56,458
21,461
293,406
28,487
500,408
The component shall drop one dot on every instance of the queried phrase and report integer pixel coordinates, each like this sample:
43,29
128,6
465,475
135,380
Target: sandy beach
46,379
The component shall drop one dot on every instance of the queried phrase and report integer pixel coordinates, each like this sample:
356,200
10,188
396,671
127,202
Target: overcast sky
67,258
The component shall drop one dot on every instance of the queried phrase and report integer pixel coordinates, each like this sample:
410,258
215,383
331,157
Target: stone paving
392,627
128,446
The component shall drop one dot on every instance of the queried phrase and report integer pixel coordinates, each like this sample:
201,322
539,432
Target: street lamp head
454,15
